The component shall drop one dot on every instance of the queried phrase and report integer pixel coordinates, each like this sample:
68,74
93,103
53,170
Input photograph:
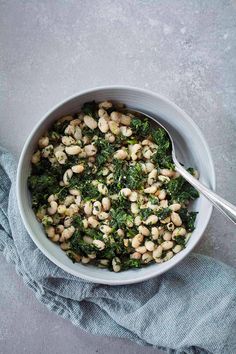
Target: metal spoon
226,208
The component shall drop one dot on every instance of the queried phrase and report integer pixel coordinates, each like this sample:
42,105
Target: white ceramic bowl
190,145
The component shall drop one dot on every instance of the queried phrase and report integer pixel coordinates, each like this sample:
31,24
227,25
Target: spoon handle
226,208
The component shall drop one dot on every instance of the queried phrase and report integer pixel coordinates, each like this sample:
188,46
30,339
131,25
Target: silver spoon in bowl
226,208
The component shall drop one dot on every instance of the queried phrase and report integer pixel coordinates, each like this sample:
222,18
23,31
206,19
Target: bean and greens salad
104,187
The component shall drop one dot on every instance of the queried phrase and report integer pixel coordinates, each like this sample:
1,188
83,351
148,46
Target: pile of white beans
155,240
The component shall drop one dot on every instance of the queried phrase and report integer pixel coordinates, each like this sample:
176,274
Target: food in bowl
104,187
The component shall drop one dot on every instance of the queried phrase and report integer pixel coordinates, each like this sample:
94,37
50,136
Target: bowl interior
191,149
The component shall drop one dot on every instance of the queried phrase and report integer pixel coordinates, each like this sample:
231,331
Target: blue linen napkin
190,309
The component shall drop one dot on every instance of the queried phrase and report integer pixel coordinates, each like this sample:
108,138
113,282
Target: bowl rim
23,214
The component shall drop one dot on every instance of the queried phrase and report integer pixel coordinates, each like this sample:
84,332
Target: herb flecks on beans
104,187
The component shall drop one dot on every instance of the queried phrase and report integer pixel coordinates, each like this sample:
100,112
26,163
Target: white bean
78,133
164,203
121,154
60,228
135,255
50,231
114,127
88,207
73,150
75,122
175,207
103,125
65,246
103,113
166,172
155,233
105,229
68,140
52,197
151,220
137,220
74,192
59,147
47,151
77,168
134,208
170,226
168,256
179,231
70,129
126,120
90,122
67,176
137,241
67,221
163,179
85,260
99,244
149,167
85,223
110,137
55,238
61,157
102,189
162,194
103,215
115,116
43,142
61,209
141,249
143,230
90,150
149,245
177,249
126,192
92,255
151,190
167,245
166,220
36,157
126,131
157,252
116,264
175,218
147,153
105,104
53,208
93,222
152,176
147,257
120,233
167,236
97,208
67,233
73,209
133,197
106,203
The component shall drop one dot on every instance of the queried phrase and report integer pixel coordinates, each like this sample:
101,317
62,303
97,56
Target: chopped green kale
188,218
140,127
120,218
89,108
131,263
181,191
105,151
163,213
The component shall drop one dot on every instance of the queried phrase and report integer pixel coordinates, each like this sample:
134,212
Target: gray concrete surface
49,50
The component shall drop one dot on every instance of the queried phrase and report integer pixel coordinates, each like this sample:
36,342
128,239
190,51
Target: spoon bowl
226,208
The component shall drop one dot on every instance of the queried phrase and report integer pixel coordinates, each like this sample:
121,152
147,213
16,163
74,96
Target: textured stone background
49,50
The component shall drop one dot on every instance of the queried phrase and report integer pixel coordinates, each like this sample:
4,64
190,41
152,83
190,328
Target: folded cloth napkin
190,309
